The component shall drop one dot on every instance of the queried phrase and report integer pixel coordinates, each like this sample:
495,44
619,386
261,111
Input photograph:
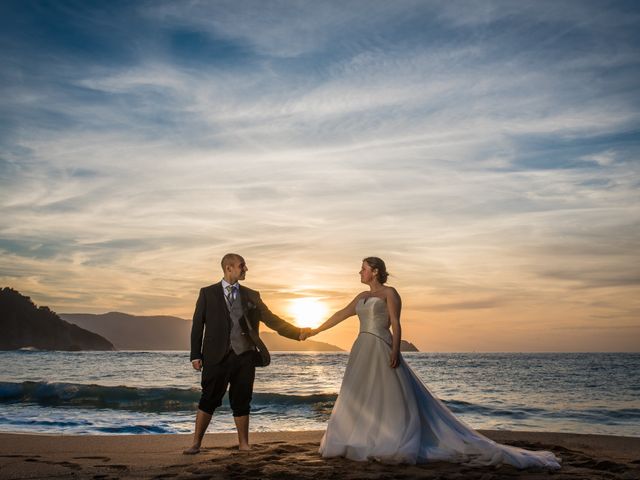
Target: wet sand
290,455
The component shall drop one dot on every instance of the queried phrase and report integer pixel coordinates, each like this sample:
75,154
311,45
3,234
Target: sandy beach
289,455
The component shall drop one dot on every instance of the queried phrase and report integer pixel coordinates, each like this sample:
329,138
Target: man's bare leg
202,422
242,425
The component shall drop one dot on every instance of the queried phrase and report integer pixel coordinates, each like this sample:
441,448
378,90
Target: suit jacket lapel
219,294
243,299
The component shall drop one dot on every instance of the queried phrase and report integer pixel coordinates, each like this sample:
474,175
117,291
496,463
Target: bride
384,411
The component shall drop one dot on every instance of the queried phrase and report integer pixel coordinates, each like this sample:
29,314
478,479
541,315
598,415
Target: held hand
305,333
197,364
394,360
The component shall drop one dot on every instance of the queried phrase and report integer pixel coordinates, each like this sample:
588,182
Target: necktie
231,294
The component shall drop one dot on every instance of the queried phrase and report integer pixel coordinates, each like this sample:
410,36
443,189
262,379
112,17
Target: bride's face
367,274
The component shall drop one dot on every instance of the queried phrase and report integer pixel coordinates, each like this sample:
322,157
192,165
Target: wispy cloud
489,152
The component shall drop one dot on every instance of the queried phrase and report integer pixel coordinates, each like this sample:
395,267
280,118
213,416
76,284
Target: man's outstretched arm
274,322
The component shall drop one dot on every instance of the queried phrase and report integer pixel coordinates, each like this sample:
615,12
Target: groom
229,314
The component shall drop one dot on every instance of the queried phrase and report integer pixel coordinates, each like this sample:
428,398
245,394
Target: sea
156,392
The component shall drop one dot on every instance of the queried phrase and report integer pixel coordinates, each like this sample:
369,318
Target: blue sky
488,151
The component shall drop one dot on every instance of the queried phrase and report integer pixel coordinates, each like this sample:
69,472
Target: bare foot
244,448
192,450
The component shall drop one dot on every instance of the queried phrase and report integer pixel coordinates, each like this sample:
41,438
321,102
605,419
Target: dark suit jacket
211,329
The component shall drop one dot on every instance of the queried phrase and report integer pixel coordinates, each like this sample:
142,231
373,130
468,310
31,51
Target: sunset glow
308,312
488,152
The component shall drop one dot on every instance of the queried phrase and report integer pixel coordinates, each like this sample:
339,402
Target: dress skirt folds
389,415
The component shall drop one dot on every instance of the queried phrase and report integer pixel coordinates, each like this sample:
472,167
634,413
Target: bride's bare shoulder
390,291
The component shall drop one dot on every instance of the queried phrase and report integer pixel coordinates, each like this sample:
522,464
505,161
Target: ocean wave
601,415
137,398
172,399
134,429
460,406
42,422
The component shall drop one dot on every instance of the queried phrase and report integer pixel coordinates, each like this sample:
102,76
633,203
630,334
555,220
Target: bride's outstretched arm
394,305
339,316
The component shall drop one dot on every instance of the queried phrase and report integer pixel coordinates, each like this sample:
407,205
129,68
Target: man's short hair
230,259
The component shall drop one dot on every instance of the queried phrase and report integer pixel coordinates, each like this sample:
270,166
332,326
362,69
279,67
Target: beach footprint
20,456
104,459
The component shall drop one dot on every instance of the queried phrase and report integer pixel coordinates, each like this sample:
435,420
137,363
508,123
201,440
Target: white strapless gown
389,415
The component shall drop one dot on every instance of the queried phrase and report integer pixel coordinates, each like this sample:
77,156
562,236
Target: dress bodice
374,317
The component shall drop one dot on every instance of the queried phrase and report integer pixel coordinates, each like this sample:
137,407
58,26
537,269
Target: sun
308,312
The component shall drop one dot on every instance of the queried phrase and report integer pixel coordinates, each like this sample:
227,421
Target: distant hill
134,332
25,325
407,346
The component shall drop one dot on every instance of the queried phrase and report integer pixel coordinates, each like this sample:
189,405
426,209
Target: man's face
237,270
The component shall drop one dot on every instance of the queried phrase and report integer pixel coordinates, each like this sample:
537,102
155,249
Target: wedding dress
389,415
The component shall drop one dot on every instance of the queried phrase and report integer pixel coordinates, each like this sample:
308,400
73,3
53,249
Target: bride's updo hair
378,264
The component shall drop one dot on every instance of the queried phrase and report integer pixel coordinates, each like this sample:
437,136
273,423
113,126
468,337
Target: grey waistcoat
239,343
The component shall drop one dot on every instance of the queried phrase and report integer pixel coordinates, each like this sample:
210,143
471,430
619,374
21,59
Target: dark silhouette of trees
24,325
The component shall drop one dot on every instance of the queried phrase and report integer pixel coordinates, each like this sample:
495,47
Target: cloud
488,151
470,305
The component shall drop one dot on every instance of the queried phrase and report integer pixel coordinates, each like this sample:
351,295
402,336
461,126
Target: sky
487,151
